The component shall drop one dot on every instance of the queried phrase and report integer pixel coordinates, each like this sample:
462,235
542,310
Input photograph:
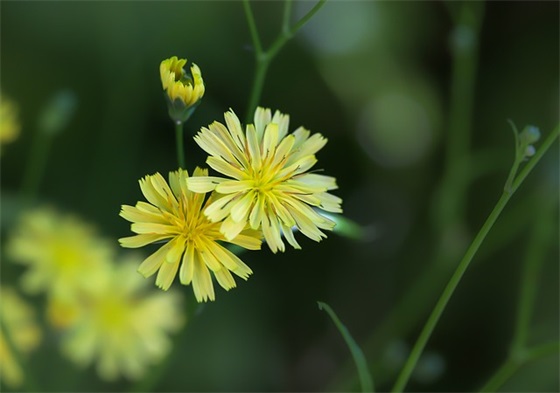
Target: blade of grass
361,363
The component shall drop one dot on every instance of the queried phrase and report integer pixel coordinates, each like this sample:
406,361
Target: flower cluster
99,303
267,192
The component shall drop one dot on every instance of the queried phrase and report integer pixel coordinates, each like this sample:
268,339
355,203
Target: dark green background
268,334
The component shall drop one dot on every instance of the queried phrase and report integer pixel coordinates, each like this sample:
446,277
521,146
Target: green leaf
363,372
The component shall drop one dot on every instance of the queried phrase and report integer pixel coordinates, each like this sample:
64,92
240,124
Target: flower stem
464,264
359,358
537,245
514,363
263,58
464,41
179,139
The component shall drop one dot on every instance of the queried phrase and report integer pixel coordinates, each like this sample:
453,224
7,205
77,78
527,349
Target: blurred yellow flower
188,88
9,123
119,324
62,252
268,186
174,216
19,321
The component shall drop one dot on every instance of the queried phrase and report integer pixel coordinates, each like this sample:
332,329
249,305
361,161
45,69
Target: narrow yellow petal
208,257
257,214
134,214
249,239
220,208
187,266
230,186
261,119
231,261
225,168
289,235
202,283
231,229
234,127
152,195
141,240
270,140
148,227
203,184
166,274
283,122
154,261
271,233
176,251
225,279
240,210
254,147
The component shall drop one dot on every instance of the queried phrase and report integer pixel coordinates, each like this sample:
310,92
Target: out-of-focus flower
174,215
184,89
9,122
119,325
62,252
268,185
19,321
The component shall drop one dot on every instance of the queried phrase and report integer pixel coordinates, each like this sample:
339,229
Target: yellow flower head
180,85
19,320
9,123
268,185
119,324
62,252
174,215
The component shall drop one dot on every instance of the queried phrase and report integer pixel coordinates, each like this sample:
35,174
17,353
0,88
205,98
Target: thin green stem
36,164
434,317
258,84
506,371
450,206
252,27
359,358
264,58
536,249
287,15
179,141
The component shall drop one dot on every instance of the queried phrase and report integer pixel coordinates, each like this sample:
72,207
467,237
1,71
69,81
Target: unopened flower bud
183,89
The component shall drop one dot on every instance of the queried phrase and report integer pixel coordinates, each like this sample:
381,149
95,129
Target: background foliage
373,77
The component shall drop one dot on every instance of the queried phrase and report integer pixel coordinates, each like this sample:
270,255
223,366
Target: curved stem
179,141
252,27
359,358
262,57
513,363
537,246
258,84
434,317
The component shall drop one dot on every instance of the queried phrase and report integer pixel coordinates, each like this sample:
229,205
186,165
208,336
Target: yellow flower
178,84
119,324
18,319
9,123
268,185
174,215
62,252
